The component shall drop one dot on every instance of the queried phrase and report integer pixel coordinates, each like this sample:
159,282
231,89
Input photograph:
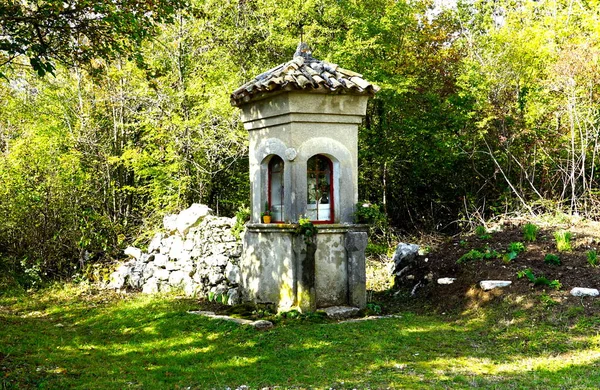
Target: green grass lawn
73,338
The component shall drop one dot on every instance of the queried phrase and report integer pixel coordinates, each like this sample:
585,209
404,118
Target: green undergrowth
79,338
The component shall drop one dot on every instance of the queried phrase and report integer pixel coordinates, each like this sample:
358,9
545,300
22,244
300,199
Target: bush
368,213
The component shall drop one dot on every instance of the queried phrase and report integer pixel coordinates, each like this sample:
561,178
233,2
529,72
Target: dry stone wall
196,252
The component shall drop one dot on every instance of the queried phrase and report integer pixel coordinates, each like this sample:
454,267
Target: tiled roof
304,73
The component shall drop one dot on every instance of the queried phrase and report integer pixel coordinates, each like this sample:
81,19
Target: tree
76,31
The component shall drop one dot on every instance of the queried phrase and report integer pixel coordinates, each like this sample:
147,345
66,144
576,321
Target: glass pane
313,192
276,192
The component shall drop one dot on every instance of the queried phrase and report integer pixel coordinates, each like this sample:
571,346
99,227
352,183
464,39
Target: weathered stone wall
196,252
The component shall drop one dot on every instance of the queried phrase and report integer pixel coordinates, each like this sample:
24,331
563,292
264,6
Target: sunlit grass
76,338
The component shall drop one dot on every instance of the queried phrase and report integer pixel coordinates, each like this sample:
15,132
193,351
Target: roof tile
304,72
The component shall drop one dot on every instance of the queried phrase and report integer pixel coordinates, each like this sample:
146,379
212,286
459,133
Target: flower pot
266,219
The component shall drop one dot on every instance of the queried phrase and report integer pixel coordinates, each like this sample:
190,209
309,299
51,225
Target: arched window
319,180
276,188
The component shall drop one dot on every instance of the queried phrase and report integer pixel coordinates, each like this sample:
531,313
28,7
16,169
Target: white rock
176,247
584,292
233,296
262,324
191,216
133,252
446,280
405,254
165,245
491,284
232,273
215,278
136,275
155,242
176,278
218,260
151,286
146,257
189,287
188,244
196,252
149,271
160,260
170,222
173,265
162,274
341,312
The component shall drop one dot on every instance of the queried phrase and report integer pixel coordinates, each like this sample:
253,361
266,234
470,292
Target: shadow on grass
148,343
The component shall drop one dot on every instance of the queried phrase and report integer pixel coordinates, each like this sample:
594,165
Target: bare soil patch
465,293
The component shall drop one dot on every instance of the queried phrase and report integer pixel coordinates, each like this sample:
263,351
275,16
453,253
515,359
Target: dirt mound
443,262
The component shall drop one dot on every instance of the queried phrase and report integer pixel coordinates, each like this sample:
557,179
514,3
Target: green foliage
482,233
547,301
514,248
368,213
563,240
378,250
552,259
474,254
374,308
80,31
538,281
242,216
517,247
476,116
266,211
530,232
307,229
592,258
509,256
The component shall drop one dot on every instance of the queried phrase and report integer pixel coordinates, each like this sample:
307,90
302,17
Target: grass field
74,337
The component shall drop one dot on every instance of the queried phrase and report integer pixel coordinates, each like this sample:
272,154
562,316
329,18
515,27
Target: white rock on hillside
584,292
133,252
190,216
492,284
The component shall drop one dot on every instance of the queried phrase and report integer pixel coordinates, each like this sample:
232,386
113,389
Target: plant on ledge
266,215
307,229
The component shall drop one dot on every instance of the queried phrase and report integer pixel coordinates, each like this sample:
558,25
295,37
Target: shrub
368,213
563,240
592,258
530,232
552,259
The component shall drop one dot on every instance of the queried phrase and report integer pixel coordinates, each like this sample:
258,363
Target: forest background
485,108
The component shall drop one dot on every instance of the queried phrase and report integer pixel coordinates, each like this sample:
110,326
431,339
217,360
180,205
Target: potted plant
266,215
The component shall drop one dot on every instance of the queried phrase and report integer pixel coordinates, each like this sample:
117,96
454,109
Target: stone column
305,262
356,243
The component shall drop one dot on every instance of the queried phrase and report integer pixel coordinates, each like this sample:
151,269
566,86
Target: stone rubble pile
196,253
